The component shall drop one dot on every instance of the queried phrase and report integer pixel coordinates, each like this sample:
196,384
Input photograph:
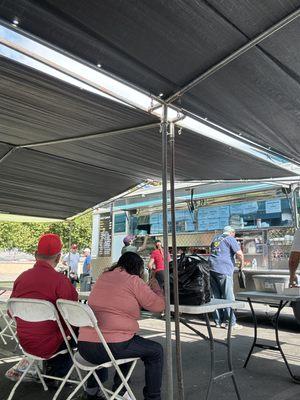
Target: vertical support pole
70,244
180,384
169,361
295,193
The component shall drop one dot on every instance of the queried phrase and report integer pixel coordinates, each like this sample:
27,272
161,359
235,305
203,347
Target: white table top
265,297
213,305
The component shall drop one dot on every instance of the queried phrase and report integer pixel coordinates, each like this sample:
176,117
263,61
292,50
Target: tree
24,236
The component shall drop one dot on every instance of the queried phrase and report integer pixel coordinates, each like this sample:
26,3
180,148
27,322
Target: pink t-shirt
117,299
158,257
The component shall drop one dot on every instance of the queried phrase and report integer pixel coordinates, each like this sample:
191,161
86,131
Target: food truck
264,214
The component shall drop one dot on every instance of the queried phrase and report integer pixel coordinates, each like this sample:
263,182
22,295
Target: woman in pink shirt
117,299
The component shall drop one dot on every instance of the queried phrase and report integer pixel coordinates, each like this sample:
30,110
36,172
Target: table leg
229,373
295,378
212,356
229,356
255,331
281,305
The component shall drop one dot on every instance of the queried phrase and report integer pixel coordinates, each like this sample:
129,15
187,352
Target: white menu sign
273,206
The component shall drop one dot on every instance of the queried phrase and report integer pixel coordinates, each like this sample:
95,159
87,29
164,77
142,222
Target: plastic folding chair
81,315
32,310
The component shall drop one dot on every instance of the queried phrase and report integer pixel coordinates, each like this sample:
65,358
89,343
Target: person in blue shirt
224,248
85,277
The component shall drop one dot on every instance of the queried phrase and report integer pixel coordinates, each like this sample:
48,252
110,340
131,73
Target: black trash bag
193,281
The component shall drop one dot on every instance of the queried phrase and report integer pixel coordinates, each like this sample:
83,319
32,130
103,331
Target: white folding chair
8,325
81,315
33,310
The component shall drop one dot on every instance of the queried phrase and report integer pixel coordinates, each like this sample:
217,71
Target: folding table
279,301
206,309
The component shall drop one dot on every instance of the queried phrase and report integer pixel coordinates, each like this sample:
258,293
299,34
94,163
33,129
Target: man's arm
65,260
144,245
240,256
293,265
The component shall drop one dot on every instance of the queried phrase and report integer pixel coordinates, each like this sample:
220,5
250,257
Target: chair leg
41,377
79,374
63,383
101,386
80,385
125,380
20,380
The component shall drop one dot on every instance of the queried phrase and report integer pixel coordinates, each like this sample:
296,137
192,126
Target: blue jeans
149,351
222,288
85,283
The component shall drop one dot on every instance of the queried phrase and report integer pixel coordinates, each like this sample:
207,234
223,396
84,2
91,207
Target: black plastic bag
242,279
193,280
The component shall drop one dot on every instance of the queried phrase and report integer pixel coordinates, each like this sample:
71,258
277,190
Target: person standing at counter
224,248
129,246
157,263
294,259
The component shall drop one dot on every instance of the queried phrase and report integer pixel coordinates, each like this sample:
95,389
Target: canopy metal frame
165,166
233,56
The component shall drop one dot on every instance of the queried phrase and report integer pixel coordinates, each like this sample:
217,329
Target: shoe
52,383
217,325
235,327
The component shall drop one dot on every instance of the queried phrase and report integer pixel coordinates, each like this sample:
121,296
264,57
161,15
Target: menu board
273,206
105,235
237,209
224,212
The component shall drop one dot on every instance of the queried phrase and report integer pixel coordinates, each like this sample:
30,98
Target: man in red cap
42,282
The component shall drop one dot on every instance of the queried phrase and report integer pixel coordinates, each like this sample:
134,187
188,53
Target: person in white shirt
71,260
294,259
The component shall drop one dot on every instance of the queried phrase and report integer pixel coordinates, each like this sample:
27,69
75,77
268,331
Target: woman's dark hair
131,262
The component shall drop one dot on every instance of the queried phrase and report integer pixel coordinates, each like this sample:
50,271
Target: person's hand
293,281
154,285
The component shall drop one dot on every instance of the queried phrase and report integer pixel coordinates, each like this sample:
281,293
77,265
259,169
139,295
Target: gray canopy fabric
163,45
36,108
38,184
62,179
139,154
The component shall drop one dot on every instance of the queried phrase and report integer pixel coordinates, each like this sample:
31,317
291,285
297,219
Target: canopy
61,179
162,46
235,63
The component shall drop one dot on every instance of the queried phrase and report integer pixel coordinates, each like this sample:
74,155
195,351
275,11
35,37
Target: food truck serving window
249,215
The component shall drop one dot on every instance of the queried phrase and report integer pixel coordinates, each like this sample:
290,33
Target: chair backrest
35,310
81,315
32,310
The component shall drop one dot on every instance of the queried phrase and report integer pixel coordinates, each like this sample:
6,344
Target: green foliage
25,236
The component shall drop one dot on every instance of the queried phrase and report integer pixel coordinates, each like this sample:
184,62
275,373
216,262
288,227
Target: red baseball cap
74,246
49,244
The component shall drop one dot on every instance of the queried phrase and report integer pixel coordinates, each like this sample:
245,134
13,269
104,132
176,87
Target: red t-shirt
42,339
158,257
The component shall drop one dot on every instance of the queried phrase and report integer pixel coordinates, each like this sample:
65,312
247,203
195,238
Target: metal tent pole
169,361
180,383
295,193
70,243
